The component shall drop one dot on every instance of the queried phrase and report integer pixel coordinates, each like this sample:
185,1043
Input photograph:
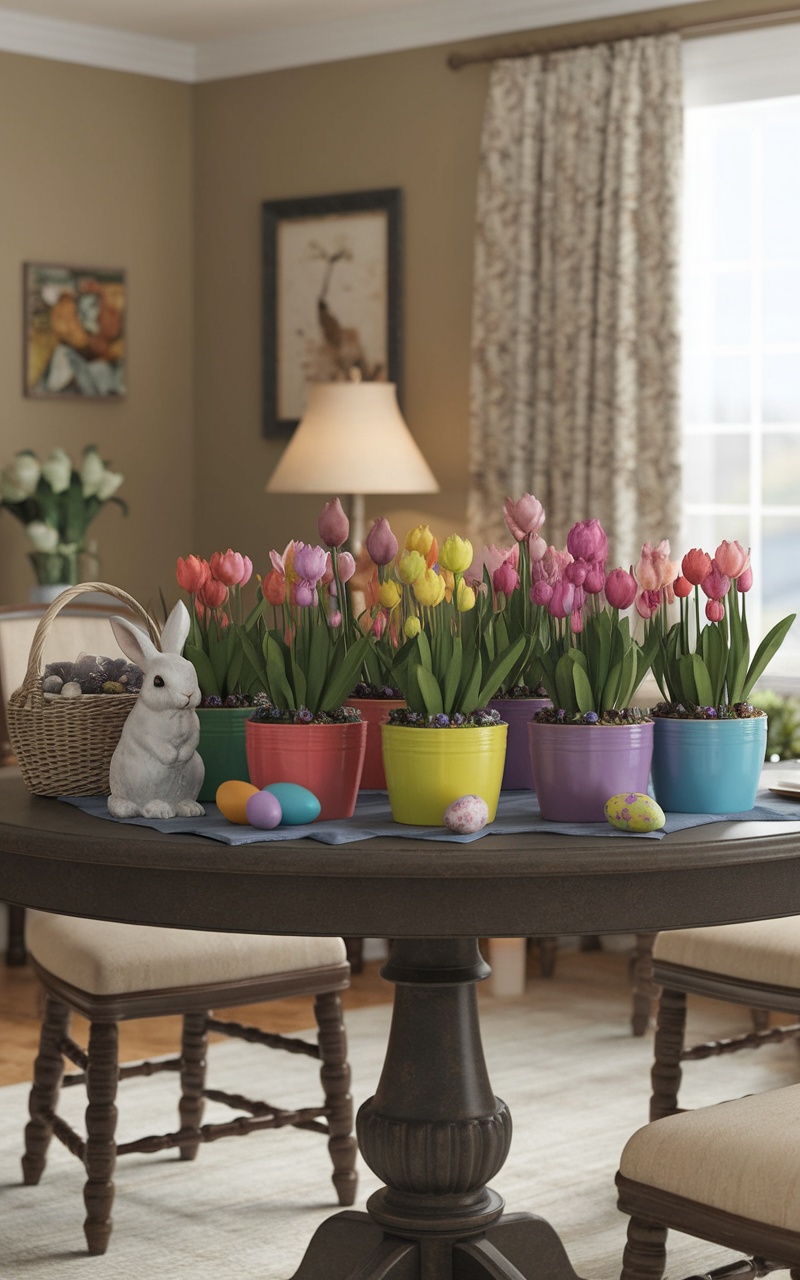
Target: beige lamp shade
352,439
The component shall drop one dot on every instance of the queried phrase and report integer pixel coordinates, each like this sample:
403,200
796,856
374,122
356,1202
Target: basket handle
33,673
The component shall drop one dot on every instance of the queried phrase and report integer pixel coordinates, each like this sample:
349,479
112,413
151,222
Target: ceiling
210,39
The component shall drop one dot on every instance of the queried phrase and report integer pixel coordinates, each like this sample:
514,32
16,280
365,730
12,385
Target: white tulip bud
92,471
43,536
109,483
57,470
19,479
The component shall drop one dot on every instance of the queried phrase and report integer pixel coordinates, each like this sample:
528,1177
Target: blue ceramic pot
708,766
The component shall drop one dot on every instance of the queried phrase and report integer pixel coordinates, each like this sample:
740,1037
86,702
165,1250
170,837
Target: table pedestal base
435,1134
351,1246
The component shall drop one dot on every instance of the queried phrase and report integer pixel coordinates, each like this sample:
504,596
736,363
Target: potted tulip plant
220,642
507,575
710,741
300,730
446,685
591,743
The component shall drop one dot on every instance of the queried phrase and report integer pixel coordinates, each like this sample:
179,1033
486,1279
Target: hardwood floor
20,1019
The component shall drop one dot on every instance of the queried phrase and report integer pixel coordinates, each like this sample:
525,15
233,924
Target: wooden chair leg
194,1045
666,1073
643,989
102,1075
335,1077
759,1019
15,951
48,1071
645,1255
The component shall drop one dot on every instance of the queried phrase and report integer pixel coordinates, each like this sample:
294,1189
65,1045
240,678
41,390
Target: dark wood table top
54,857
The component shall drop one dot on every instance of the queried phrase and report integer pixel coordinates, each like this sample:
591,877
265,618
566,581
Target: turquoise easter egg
634,811
298,804
263,810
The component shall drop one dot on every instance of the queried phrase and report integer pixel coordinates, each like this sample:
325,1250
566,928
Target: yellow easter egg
231,800
634,811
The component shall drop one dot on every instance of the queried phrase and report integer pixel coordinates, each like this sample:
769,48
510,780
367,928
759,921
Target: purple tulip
310,562
716,584
586,540
561,602
333,525
541,592
381,542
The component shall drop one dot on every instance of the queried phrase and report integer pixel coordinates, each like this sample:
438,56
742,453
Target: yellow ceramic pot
427,769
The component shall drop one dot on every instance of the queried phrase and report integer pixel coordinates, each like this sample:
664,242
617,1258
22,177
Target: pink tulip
594,580
586,540
576,622
551,567
562,600
309,562
213,593
731,558
745,580
347,566
696,565
381,542
716,584
576,571
620,588
231,568
505,579
192,573
541,592
715,610
655,569
647,603
524,516
682,587
536,547
335,618
333,525
379,625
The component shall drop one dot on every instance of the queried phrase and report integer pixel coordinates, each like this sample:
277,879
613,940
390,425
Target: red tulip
274,587
213,594
192,573
682,587
695,566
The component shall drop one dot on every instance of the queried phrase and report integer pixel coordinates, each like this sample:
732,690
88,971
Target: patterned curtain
575,348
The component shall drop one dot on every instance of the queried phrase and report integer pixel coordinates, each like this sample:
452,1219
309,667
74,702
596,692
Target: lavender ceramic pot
517,712
577,767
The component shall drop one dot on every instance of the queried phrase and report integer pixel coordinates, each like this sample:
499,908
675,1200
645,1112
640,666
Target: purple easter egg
263,810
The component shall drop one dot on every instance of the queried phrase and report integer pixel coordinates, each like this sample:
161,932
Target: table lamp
352,440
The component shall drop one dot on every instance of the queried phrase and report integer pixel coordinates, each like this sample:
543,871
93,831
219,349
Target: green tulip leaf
452,677
278,686
206,676
499,670
430,691
766,652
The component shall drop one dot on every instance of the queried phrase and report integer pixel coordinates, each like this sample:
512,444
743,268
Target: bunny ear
133,641
176,629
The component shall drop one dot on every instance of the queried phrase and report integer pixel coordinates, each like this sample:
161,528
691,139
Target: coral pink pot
325,758
577,767
374,712
517,712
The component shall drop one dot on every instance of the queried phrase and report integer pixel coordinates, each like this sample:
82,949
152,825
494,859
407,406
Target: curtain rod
702,18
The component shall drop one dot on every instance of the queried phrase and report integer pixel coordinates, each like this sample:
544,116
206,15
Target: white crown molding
430,22
93,46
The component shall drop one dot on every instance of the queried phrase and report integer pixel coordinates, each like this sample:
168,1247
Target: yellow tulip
465,597
389,594
411,566
456,554
422,540
429,587
412,628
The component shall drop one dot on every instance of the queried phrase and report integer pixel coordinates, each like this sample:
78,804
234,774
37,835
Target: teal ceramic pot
577,767
708,766
222,747
517,712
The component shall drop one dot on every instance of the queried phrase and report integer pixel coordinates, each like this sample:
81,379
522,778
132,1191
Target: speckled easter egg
263,810
634,811
298,804
466,814
232,799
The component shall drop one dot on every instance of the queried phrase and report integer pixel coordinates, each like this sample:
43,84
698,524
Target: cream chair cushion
741,1156
765,951
104,958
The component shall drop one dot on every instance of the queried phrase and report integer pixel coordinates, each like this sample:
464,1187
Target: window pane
716,468
781,462
781,302
732,307
780,396
731,197
781,190
707,530
781,583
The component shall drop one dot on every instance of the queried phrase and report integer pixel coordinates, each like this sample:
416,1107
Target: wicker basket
64,745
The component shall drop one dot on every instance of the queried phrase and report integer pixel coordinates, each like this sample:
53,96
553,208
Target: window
741,348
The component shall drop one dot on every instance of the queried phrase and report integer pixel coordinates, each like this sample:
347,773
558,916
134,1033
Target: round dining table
434,1132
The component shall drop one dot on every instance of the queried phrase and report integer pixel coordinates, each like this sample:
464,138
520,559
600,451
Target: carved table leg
435,1133
644,989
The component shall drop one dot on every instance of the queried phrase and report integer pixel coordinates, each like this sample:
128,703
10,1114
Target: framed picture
332,308
74,332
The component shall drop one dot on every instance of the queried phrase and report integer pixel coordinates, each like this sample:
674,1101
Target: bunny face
170,684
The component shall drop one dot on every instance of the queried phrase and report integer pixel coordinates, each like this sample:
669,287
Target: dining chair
727,1174
110,972
756,964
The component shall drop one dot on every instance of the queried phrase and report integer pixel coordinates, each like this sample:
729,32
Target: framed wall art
332,306
74,332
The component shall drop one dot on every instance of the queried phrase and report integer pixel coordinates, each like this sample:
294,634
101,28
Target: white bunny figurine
155,770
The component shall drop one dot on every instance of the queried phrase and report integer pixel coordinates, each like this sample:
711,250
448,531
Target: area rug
562,1057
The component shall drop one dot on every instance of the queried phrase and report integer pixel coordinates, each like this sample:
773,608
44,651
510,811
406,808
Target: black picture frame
332,280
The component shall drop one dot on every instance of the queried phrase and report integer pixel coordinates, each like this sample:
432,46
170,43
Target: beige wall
397,120
96,171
